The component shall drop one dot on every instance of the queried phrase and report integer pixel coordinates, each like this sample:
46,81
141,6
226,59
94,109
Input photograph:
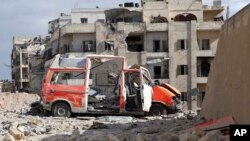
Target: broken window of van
105,79
68,78
104,90
89,46
146,78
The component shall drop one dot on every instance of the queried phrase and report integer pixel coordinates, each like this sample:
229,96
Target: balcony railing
210,25
77,28
157,26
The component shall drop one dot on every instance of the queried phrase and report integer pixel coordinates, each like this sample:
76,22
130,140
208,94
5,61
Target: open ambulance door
146,89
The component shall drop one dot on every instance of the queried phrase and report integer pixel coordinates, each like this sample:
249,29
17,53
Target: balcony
201,80
131,27
77,28
206,53
151,27
211,25
157,55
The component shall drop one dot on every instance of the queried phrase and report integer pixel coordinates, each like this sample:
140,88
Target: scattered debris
17,103
16,125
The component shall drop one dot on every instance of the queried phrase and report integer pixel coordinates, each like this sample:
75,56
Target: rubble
19,126
20,103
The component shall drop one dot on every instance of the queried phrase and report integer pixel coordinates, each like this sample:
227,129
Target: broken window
182,69
25,72
109,45
89,46
104,89
182,44
135,43
104,79
156,45
68,78
84,20
133,39
157,72
204,69
204,44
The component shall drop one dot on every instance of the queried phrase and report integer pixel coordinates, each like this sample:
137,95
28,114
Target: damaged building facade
27,63
175,40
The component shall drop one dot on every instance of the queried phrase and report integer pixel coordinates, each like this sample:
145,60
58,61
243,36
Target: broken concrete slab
212,136
119,119
8,137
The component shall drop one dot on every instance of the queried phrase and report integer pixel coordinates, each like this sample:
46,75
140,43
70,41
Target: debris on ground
20,126
17,103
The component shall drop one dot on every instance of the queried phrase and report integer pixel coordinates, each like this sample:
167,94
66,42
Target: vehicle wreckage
102,84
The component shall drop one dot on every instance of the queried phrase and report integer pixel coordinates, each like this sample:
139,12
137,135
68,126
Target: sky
30,18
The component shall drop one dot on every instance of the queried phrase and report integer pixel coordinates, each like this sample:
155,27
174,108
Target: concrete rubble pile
107,128
36,63
16,103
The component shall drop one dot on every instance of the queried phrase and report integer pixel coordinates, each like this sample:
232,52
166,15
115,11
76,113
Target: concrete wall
92,14
178,30
213,36
228,87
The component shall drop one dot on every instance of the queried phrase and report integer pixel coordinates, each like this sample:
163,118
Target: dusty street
18,124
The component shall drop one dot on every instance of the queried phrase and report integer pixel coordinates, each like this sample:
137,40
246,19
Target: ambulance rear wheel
157,110
61,109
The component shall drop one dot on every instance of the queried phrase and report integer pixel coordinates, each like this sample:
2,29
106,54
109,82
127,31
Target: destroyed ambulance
101,84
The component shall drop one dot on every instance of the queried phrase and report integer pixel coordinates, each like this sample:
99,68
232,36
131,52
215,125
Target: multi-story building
24,62
175,39
19,63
